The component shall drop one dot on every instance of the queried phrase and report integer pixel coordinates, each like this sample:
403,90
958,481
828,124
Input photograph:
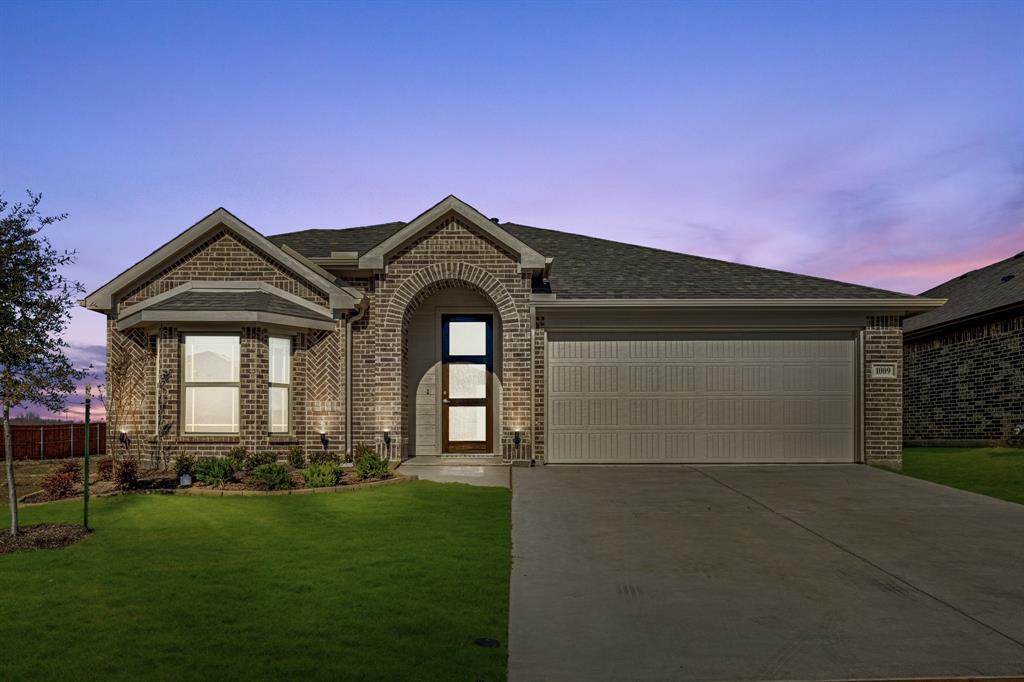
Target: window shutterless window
280,383
210,383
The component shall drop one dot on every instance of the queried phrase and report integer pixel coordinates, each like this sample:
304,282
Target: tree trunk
12,492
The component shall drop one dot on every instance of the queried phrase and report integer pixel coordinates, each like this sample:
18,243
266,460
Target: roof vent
1006,278
963,276
494,220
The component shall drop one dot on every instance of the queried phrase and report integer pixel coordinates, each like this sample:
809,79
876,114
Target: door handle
445,401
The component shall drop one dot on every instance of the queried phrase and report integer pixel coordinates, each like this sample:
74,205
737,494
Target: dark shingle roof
588,267
257,301
975,293
322,242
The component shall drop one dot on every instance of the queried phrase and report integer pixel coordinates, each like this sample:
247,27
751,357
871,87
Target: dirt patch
42,536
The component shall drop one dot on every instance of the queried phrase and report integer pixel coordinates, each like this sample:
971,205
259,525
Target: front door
466,400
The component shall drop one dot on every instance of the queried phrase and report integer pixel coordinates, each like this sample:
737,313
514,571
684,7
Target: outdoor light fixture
323,440
387,438
124,440
517,439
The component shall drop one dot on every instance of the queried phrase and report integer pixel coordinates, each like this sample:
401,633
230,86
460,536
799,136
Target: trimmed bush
255,460
59,484
273,476
126,473
369,465
296,457
322,475
70,467
185,464
322,457
105,468
214,470
236,456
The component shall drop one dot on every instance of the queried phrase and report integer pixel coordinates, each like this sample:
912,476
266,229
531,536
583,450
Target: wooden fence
57,441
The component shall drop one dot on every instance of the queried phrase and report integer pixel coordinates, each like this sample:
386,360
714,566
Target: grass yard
391,583
996,472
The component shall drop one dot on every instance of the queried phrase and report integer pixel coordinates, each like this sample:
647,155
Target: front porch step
463,461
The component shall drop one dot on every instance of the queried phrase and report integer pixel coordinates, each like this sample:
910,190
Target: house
459,334
964,362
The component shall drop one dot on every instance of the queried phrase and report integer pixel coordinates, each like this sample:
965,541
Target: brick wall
318,366
883,404
965,386
448,256
219,258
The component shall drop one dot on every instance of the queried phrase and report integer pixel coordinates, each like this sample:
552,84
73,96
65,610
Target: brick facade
965,386
448,256
883,401
138,404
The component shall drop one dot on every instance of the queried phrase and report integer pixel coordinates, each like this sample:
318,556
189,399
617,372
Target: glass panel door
466,400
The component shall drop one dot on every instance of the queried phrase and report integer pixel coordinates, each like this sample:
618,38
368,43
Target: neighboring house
455,333
963,382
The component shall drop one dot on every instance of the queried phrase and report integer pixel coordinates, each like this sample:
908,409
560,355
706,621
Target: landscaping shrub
369,465
70,467
105,468
185,464
322,475
126,473
236,456
255,460
215,470
59,484
323,457
296,457
273,476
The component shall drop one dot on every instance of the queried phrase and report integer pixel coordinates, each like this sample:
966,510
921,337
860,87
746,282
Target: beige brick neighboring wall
883,398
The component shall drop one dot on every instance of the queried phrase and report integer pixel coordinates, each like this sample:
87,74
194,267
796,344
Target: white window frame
286,385
186,384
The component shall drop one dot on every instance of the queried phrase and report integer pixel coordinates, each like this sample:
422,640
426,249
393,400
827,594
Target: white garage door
700,399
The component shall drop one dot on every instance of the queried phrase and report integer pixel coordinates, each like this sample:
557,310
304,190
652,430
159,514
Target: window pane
211,358
211,409
280,360
278,409
467,423
467,338
467,381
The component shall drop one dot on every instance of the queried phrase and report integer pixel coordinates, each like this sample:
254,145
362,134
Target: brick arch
440,276
393,388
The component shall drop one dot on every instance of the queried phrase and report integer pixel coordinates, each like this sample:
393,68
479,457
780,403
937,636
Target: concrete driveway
773,572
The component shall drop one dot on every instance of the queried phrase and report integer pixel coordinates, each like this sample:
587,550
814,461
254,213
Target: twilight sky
879,143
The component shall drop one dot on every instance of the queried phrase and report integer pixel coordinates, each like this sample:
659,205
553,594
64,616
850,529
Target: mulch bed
42,536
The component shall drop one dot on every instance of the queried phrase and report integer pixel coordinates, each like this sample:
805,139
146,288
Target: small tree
35,309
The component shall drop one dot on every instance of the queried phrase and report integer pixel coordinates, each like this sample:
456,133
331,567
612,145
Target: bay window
210,372
280,356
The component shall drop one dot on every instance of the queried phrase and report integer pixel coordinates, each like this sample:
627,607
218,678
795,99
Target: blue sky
880,143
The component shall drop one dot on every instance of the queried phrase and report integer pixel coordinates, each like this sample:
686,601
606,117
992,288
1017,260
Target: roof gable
342,298
375,258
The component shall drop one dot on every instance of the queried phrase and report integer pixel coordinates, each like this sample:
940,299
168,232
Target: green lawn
392,583
997,472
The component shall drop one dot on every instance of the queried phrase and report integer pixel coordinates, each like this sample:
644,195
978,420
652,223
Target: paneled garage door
700,399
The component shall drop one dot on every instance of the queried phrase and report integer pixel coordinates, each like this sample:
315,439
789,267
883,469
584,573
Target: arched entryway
419,310
443,367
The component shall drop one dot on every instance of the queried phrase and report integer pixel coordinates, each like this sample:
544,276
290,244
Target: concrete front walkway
485,472
774,572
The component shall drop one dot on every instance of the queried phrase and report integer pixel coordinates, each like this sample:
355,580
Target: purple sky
880,143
